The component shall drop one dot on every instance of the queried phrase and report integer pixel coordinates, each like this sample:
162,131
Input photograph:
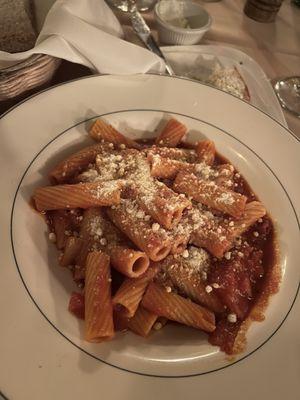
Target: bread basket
25,75
22,20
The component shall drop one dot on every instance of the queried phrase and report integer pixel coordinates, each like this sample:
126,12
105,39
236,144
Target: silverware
144,33
288,93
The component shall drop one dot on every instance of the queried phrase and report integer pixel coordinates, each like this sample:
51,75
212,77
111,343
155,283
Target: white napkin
87,32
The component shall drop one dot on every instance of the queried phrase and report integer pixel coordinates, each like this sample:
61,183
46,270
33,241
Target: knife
144,33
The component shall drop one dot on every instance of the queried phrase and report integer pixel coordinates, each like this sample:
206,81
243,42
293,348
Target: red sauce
246,280
76,305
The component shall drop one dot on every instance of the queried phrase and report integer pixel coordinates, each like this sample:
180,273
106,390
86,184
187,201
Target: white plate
185,58
42,355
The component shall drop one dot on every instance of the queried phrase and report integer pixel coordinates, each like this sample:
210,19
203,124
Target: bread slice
17,31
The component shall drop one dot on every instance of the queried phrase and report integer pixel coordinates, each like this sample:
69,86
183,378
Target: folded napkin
88,33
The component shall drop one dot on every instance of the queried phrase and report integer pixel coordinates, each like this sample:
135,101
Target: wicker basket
28,74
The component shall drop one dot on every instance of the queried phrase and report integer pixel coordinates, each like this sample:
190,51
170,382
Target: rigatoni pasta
172,134
81,195
71,251
166,168
177,308
210,194
61,224
98,304
142,321
158,231
186,275
206,151
131,291
74,164
161,203
147,235
101,234
102,131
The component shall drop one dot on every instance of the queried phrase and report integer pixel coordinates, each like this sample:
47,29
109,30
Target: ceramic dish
181,22
184,59
42,354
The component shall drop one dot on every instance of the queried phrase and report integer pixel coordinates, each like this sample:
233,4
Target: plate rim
97,76
86,351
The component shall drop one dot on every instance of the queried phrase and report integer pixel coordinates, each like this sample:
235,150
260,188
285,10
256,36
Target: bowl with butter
181,22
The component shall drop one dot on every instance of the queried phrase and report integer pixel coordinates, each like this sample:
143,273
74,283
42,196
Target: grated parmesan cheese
155,227
185,254
52,237
157,326
232,318
225,198
208,289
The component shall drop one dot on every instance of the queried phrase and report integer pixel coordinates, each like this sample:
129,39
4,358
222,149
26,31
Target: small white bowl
198,18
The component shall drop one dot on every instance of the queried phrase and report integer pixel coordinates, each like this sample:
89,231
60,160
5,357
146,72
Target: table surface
275,46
